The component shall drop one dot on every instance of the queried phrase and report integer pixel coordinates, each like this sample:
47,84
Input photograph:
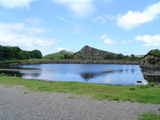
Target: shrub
151,85
132,88
155,53
2,74
154,60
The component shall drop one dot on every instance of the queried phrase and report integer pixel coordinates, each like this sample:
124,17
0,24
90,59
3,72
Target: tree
21,55
68,56
14,53
1,53
133,57
108,56
120,56
35,54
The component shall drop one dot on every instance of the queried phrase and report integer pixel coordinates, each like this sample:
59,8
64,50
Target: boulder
151,60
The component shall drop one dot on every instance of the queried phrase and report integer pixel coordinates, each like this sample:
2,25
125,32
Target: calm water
89,73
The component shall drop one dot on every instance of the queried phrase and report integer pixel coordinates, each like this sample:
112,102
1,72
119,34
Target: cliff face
151,60
91,53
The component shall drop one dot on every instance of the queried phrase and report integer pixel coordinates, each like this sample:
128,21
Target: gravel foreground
17,103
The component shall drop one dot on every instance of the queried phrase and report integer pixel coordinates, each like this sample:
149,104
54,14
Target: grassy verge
149,116
74,61
144,94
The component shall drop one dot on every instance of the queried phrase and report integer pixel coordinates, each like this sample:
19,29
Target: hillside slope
88,52
59,55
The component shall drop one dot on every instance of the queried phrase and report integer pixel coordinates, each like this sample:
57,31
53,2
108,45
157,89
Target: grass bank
149,116
143,94
66,61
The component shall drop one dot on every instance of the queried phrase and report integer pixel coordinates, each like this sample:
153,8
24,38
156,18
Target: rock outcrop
151,60
88,52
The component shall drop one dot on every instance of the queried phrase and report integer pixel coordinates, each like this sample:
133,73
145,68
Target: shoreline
140,94
41,61
27,104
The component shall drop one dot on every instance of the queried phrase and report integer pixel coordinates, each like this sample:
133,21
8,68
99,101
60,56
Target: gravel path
16,104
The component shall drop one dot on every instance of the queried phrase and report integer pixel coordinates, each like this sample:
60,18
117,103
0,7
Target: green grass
143,94
149,116
44,61
20,61
54,56
58,55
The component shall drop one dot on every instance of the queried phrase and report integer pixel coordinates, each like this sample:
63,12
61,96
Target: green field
59,55
149,116
143,94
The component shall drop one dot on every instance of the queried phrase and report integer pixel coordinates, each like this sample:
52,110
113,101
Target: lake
114,74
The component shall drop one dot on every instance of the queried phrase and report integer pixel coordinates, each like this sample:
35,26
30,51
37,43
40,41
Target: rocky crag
88,52
151,60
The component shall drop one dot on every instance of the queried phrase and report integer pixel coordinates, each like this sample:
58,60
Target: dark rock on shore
151,60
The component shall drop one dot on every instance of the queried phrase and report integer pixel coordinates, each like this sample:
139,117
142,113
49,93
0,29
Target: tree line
111,56
15,53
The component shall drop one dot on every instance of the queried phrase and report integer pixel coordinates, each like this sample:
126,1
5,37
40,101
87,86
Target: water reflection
90,73
12,73
21,72
151,75
132,71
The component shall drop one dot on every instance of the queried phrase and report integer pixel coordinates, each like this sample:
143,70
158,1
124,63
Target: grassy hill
60,55
89,53
139,56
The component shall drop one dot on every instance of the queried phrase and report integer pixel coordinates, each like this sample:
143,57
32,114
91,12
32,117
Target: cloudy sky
120,26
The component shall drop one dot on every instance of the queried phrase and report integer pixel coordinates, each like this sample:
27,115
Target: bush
155,53
144,86
154,60
151,84
109,56
132,89
2,74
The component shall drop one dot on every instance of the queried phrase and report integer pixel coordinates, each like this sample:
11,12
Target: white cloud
21,27
127,41
108,40
100,18
16,3
103,36
33,30
33,21
136,18
17,34
149,40
108,1
104,19
60,49
80,8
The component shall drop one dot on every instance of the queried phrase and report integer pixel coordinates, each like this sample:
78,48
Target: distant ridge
88,52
